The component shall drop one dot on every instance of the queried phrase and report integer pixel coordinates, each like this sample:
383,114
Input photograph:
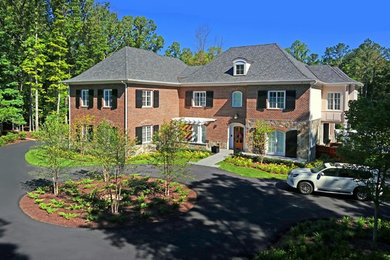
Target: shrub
2,141
22,135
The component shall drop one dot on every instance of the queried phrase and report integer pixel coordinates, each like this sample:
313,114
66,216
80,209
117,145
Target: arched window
237,99
276,143
240,67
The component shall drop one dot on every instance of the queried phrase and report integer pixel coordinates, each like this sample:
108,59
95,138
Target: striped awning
194,120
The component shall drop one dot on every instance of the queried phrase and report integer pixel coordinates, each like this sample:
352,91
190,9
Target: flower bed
86,203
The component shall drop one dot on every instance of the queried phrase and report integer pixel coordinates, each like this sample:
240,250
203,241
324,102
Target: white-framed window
334,101
147,134
276,143
86,132
237,99
277,99
199,98
107,93
240,67
198,134
84,98
147,98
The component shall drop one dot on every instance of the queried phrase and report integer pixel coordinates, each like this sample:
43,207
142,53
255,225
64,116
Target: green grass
36,157
250,172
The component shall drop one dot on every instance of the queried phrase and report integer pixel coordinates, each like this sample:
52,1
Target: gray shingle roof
329,74
133,63
268,62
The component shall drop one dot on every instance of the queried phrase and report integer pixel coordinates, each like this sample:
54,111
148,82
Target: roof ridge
287,56
253,45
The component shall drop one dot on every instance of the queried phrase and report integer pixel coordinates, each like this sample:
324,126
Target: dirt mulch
35,212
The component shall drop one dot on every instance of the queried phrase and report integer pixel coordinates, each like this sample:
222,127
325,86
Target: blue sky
319,24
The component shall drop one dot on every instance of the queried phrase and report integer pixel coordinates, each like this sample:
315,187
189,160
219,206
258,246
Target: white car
331,178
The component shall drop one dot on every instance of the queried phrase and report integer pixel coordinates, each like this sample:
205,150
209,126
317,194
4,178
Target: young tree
335,55
111,148
169,141
370,146
258,138
54,142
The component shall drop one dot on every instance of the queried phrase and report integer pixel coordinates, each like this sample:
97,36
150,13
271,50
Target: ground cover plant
344,238
255,167
86,202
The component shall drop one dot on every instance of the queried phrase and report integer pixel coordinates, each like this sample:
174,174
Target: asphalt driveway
233,217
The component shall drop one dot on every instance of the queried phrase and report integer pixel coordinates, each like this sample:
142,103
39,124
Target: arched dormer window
237,99
240,67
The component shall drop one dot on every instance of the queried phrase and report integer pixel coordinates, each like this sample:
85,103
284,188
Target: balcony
332,116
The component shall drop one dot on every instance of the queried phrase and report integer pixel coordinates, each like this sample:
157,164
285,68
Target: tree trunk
30,112
55,182
58,100
36,111
375,230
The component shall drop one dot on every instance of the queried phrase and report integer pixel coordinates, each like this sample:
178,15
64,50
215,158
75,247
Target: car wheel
360,194
305,187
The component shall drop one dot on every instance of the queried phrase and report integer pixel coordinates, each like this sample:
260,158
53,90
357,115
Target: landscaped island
87,202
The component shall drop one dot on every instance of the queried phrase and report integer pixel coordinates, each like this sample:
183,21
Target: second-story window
334,101
84,98
146,98
276,99
199,98
107,97
237,99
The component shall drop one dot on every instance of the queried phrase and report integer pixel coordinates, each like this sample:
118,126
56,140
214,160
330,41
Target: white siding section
315,103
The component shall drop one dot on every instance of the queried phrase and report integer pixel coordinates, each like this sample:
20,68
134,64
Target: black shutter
156,101
100,98
291,143
114,99
138,98
90,97
261,99
209,98
155,129
188,99
138,135
290,100
78,95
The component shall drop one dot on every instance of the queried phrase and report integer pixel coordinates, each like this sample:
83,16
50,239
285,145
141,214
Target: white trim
284,99
194,120
104,99
334,103
84,104
193,98
230,139
151,97
126,108
151,134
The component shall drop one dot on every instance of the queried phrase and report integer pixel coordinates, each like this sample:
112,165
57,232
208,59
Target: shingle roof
268,62
133,63
329,74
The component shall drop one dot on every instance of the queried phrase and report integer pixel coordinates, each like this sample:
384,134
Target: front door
238,138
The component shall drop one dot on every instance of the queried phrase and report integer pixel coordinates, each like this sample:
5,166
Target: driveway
233,217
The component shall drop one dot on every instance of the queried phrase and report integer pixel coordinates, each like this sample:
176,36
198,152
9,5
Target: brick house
138,90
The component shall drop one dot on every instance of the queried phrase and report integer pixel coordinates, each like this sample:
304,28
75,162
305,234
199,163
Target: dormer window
240,67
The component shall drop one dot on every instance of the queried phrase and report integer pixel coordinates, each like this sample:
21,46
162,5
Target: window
107,97
146,98
147,134
198,134
237,99
199,98
334,101
84,98
333,172
240,68
87,133
276,143
276,99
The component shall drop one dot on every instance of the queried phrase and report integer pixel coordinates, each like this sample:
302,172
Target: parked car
332,178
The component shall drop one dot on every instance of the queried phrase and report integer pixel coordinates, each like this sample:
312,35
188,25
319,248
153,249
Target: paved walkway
233,217
212,160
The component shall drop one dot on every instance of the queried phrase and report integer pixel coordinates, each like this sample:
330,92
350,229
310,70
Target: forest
44,42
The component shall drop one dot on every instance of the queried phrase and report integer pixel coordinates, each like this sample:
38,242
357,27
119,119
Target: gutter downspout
125,106
69,120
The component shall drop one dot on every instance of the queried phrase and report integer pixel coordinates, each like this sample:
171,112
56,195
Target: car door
327,179
346,182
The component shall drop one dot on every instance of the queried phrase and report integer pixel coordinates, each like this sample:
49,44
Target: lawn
36,157
250,172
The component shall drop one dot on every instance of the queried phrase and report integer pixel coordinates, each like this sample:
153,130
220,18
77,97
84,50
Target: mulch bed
159,207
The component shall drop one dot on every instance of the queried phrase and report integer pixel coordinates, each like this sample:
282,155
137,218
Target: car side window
346,173
331,172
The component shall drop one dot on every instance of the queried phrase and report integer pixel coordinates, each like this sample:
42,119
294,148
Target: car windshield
317,169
